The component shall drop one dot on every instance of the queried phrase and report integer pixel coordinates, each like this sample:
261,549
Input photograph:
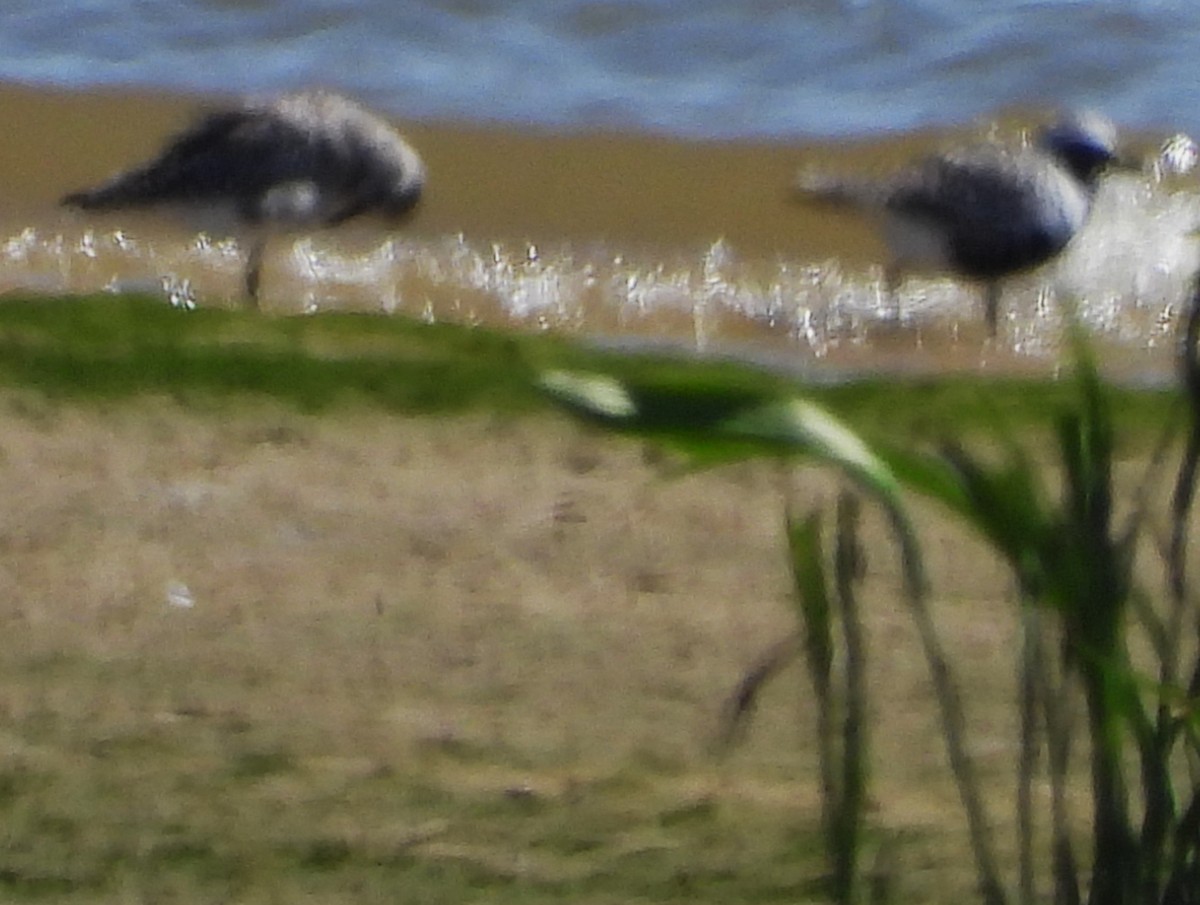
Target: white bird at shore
313,159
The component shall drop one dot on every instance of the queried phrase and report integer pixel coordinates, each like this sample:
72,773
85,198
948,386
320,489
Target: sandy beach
488,183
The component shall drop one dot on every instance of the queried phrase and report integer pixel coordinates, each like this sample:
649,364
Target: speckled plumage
984,211
302,160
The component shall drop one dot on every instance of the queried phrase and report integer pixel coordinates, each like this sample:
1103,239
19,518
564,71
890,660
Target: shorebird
984,211
304,160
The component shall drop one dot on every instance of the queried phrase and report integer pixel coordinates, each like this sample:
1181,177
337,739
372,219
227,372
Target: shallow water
616,238
1126,280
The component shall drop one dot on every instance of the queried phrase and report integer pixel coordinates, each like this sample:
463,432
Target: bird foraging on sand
304,160
984,211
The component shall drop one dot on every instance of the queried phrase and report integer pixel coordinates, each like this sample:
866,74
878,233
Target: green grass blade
807,428
812,596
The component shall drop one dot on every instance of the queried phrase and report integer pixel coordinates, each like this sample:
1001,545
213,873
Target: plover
303,160
984,211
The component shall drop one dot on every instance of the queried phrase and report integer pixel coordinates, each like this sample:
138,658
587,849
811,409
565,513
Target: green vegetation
1080,605
113,347
316,737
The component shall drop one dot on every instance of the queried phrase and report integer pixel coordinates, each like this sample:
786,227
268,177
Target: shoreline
599,234
628,191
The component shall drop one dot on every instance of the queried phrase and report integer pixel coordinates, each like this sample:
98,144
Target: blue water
696,68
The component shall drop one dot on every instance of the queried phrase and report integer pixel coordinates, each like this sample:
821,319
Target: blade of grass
849,569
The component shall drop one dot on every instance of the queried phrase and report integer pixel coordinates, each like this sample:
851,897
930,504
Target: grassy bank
118,347
272,634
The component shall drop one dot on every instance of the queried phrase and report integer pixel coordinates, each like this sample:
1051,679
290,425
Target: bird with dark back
984,211
301,161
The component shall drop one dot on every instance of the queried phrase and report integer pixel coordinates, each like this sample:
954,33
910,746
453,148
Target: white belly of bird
297,203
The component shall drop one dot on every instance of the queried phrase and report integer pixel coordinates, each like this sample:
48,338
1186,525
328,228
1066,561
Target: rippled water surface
690,67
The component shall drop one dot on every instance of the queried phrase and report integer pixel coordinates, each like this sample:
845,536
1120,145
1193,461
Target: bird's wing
963,191
228,154
1000,212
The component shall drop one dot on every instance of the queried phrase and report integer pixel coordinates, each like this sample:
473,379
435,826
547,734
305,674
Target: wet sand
490,184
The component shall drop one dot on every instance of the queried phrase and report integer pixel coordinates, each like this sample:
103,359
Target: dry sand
364,584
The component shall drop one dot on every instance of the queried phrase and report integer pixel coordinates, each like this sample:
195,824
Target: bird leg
254,262
892,276
991,307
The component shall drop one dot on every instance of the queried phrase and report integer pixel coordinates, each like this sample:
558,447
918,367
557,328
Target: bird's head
399,201
401,181
1085,142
